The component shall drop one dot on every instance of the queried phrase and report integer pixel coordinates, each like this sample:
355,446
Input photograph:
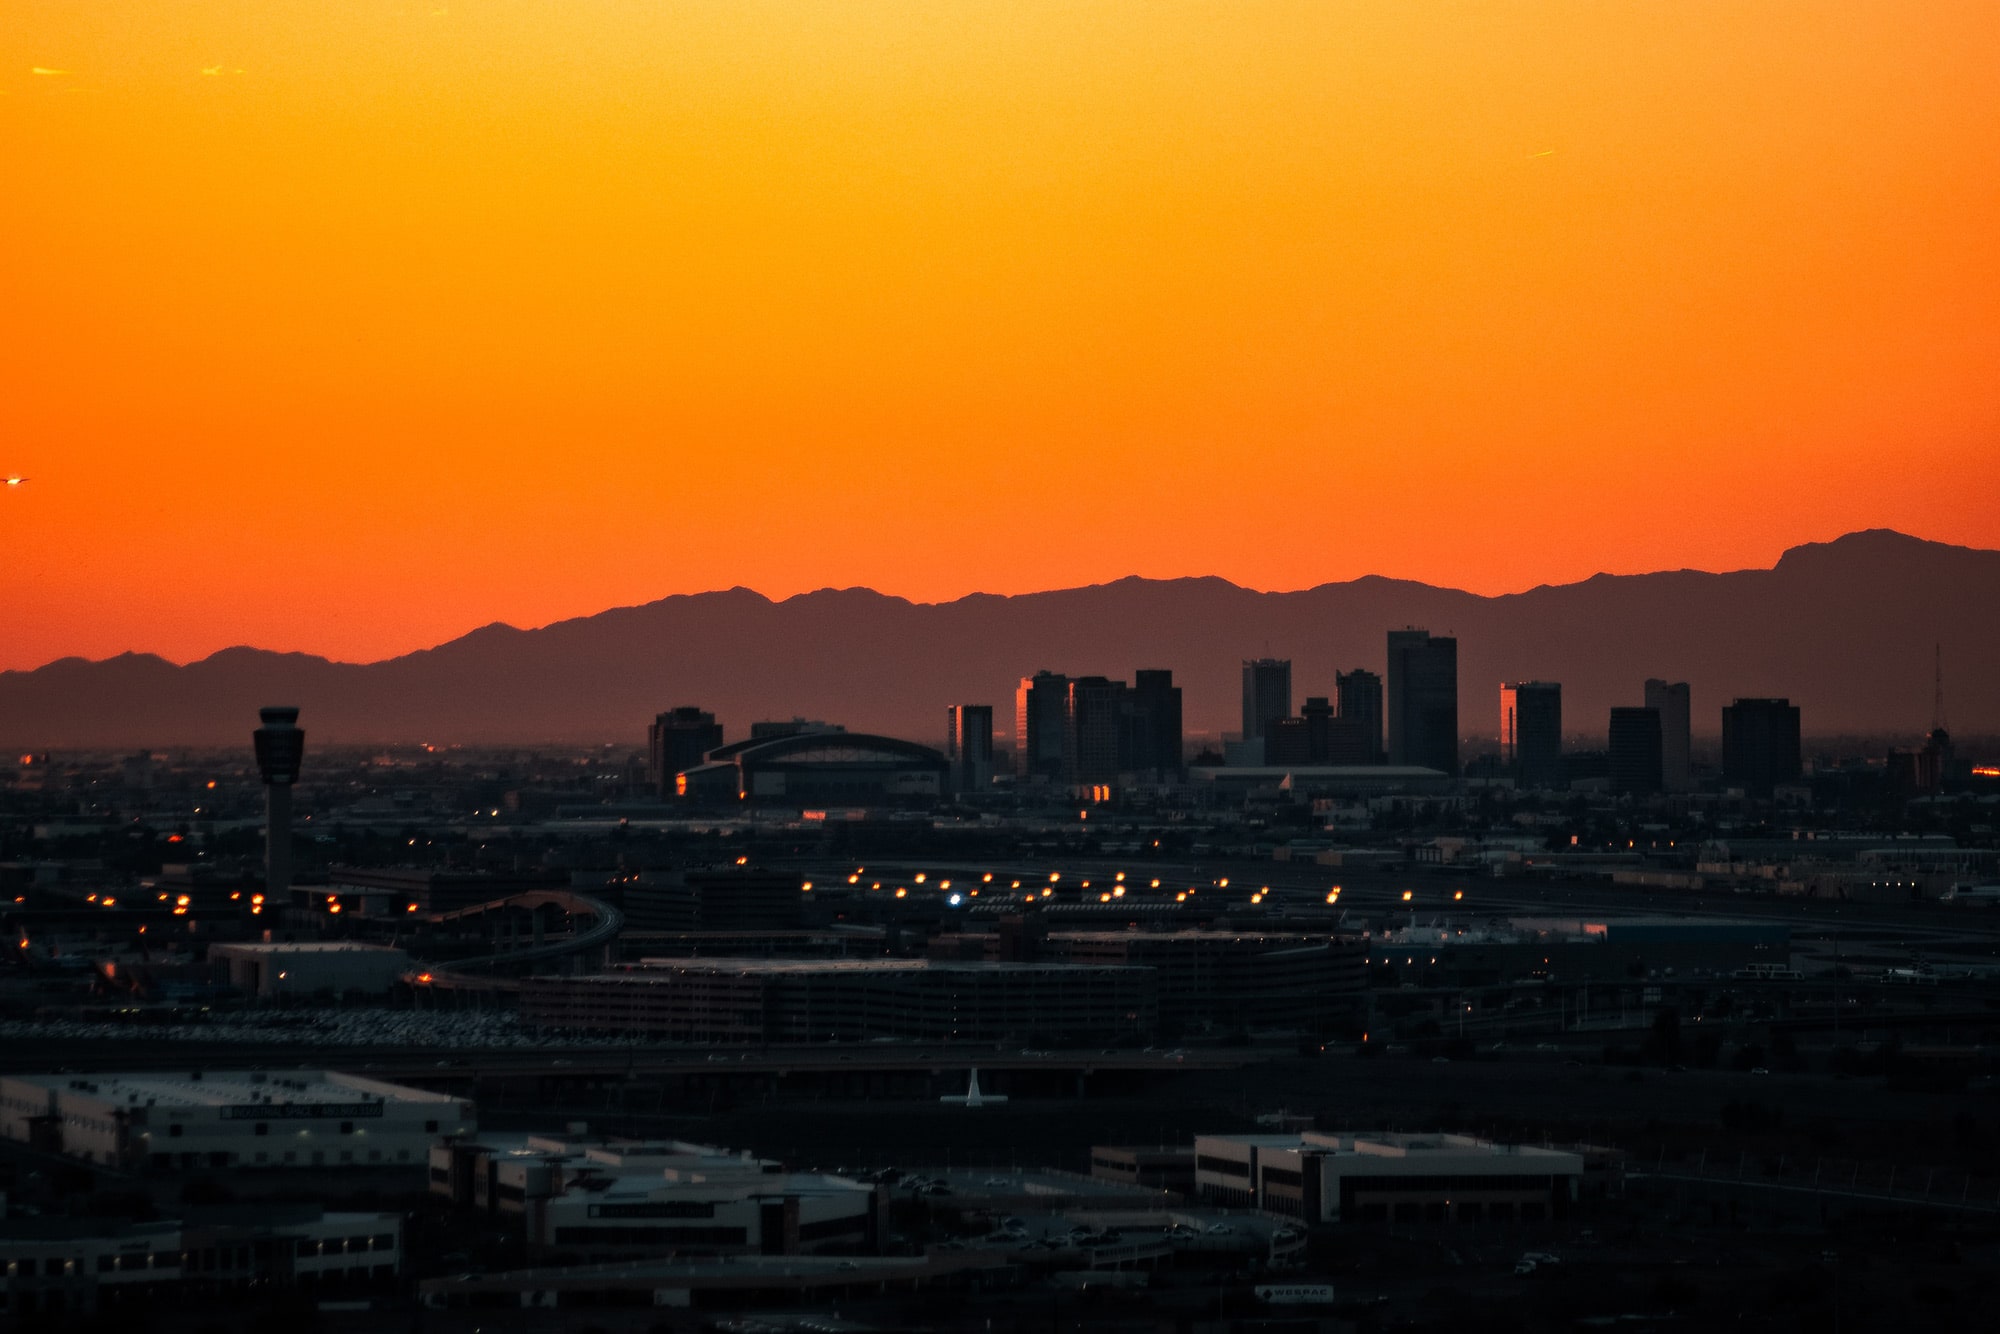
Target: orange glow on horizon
368,299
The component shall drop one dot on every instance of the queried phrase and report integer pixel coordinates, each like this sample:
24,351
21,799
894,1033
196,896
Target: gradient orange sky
349,325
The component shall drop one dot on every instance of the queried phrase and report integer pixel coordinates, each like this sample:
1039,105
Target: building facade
679,739
1636,752
336,967
848,1000
60,1268
1230,978
1387,1177
1423,700
1041,709
1267,694
1672,698
1357,699
214,1119
1157,746
1096,731
1760,744
1531,733
969,748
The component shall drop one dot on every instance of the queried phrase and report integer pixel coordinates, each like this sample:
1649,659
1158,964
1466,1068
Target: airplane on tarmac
972,1097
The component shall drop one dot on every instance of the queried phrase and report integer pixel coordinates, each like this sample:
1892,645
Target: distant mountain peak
1868,543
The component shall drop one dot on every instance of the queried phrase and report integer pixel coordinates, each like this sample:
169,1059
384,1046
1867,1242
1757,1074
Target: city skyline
1010,664
1784,631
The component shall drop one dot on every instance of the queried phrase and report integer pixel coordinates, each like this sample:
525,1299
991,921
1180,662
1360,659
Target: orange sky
419,314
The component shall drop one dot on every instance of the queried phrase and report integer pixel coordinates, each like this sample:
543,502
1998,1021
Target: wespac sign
301,1111
1295,1294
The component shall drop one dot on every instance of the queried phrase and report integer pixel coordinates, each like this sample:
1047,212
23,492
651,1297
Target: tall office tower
1760,744
1094,749
678,740
280,747
1671,699
1637,751
1155,744
1317,716
1531,732
1041,710
1358,695
1267,694
968,745
1423,700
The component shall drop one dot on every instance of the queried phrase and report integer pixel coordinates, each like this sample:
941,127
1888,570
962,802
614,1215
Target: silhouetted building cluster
1342,729
1090,734
1091,730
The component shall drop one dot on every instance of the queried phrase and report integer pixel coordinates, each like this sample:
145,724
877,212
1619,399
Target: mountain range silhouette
1844,628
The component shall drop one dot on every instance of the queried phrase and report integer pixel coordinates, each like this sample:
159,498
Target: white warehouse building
1332,1178
269,969
606,1199
294,1118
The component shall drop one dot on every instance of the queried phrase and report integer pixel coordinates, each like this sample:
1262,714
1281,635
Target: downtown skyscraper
1423,700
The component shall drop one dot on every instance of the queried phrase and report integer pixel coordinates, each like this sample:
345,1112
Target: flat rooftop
653,970
1391,1144
302,947
230,1088
1286,937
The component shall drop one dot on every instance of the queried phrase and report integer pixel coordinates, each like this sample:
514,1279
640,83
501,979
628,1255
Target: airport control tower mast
281,747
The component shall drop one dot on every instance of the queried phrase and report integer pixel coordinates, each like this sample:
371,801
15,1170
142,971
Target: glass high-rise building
1267,694
1636,751
1423,700
1096,725
1531,725
1671,698
678,740
969,747
1357,697
1155,744
1760,744
1041,712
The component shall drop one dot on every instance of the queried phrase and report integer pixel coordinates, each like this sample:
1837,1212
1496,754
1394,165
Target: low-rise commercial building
1164,1168
307,968
1570,949
816,1000
69,1267
210,1119
1242,978
1386,1177
600,1199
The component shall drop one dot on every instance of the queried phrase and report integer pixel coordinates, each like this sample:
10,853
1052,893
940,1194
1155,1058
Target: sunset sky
349,325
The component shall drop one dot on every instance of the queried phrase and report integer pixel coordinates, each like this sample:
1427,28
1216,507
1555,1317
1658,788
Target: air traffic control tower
281,748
